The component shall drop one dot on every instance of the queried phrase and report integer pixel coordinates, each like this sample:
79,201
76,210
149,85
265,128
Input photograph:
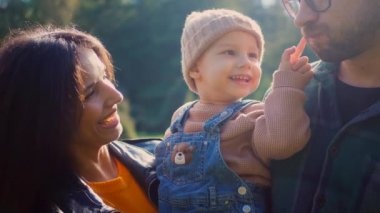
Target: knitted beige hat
203,28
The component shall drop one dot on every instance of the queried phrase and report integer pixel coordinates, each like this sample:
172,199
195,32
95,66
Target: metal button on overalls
242,190
246,208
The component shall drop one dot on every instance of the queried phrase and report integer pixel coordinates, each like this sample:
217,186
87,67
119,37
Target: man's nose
305,15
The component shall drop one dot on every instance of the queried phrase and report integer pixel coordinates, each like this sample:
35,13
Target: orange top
123,192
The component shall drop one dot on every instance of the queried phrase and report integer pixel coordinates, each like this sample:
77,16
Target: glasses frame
310,4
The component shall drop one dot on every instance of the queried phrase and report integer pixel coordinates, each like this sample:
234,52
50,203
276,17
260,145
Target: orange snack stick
299,50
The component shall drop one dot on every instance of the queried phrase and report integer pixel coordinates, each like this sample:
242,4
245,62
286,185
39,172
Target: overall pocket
184,160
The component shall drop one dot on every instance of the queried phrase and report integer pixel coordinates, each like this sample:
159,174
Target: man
339,170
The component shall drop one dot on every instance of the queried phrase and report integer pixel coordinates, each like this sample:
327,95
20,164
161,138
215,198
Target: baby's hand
301,65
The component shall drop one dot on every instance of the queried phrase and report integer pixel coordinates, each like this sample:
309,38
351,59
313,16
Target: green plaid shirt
339,169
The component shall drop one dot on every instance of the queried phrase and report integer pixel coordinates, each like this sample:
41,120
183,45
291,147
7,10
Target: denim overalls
193,175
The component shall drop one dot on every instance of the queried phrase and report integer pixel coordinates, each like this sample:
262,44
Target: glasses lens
292,7
319,5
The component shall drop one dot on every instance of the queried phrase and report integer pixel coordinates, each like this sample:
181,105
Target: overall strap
214,123
177,125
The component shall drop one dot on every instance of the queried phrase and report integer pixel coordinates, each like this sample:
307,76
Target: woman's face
99,122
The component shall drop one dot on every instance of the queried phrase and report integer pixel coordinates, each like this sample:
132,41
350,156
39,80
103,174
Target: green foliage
128,123
143,37
21,13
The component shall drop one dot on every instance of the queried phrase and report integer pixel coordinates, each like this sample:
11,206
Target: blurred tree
21,13
59,12
128,123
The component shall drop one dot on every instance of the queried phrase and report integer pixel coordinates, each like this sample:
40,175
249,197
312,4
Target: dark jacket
139,162
339,169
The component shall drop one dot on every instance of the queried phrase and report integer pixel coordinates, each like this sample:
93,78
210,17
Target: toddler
215,155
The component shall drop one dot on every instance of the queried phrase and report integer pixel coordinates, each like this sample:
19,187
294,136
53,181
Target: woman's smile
110,121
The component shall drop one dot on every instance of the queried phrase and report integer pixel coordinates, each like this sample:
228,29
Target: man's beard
348,40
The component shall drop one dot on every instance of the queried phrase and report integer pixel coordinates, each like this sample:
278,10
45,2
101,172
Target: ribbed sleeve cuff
291,79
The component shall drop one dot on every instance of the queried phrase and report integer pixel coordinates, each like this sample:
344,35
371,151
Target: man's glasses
293,6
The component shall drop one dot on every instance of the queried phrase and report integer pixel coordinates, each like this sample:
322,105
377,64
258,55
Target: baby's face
229,69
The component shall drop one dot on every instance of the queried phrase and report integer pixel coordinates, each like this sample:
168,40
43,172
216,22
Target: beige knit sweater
275,129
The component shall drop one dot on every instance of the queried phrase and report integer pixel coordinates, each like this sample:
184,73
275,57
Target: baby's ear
194,73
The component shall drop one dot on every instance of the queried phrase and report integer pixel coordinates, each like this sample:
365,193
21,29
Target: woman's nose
113,96
118,96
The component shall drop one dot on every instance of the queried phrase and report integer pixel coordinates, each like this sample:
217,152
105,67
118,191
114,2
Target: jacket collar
140,163
324,70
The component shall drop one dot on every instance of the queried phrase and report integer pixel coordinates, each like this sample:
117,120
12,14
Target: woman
58,126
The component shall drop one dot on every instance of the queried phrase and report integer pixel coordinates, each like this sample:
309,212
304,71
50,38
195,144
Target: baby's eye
229,52
252,55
